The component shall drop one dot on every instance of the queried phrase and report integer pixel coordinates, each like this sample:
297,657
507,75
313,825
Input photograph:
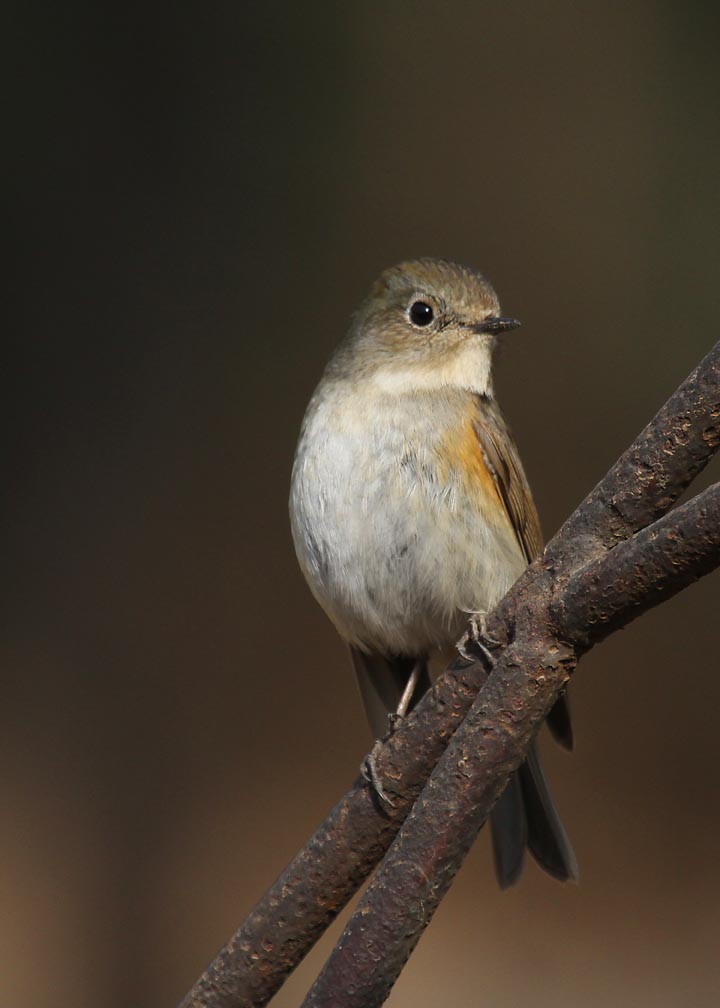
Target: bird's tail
525,816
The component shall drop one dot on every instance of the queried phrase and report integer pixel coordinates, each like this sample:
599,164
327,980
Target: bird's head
427,323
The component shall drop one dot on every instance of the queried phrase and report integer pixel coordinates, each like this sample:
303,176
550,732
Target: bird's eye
421,313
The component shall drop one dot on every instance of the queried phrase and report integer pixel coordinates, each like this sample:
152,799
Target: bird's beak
495,325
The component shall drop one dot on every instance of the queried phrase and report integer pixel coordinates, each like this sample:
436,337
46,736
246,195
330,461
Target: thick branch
643,571
319,881
316,885
492,742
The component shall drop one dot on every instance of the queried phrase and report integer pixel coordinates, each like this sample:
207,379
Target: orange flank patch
464,456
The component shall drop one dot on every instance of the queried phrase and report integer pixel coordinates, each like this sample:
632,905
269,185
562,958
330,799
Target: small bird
412,516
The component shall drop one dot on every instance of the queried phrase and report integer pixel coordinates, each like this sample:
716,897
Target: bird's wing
503,462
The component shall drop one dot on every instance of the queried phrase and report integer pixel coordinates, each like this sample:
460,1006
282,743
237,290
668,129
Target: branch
643,571
492,742
288,920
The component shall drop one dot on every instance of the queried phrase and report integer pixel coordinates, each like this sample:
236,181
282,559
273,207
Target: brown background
198,199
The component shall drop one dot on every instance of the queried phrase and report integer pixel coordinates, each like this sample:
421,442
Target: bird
412,517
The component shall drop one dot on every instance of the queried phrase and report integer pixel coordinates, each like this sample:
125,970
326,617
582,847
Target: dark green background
198,197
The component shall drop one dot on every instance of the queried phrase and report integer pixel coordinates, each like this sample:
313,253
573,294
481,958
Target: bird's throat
468,368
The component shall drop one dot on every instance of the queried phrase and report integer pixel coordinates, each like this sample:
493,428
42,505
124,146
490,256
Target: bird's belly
395,544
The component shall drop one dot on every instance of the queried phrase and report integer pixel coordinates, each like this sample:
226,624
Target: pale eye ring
421,313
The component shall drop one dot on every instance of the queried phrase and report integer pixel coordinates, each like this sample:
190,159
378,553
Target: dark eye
421,314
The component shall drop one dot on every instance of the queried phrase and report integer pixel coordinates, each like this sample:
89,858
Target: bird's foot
475,642
395,719
370,773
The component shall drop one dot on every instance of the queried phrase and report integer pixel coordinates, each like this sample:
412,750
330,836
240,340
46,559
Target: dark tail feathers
526,816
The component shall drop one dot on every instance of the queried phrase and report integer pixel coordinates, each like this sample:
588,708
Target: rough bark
493,739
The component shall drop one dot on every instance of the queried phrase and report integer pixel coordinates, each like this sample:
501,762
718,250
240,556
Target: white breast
391,545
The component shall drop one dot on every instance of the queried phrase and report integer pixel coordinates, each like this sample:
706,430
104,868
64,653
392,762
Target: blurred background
198,197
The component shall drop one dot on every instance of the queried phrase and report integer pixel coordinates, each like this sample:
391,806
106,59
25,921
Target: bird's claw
475,642
370,773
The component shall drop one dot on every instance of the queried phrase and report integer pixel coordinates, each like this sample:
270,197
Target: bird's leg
475,641
369,767
405,699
